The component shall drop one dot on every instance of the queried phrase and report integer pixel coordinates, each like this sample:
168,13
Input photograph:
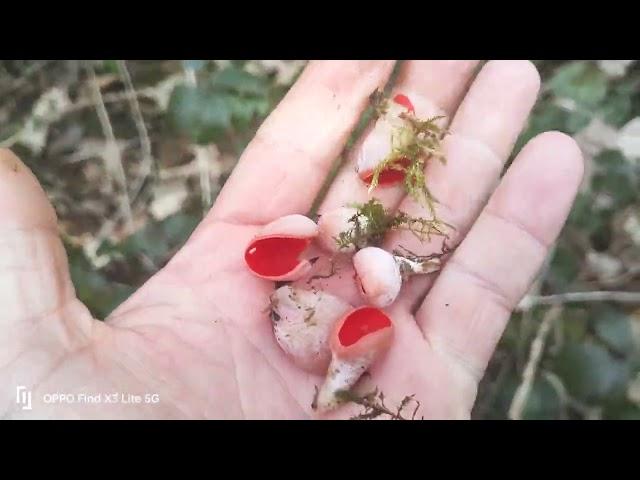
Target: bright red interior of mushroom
403,100
361,322
275,256
389,176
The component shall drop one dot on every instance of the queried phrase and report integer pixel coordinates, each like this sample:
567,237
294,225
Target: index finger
285,165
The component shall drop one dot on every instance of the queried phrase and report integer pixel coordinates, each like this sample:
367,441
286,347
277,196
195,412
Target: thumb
36,293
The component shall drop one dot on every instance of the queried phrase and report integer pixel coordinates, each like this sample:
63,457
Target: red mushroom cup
358,339
377,147
276,253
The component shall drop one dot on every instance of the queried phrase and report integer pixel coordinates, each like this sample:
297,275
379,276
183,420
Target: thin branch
107,98
493,390
202,154
621,279
567,400
528,375
113,156
190,75
529,302
204,157
145,143
374,406
527,317
25,75
12,140
181,171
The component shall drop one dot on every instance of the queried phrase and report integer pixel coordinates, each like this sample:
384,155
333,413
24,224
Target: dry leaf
49,108
614,68
168,198
604,266
629,139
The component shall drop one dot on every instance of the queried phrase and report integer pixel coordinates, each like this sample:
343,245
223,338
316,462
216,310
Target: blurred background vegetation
132,154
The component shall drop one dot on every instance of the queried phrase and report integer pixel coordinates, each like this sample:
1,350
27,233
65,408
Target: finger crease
273,143
501,296
478,143
542,244
447,350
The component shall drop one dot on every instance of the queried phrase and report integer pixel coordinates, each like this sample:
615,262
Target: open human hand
196,342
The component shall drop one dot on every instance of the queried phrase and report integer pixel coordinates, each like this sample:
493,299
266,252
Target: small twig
107,98
190,76
12,140
113,156
374,406
331,273
586,411
577,297
414,257
25,76
182,171
201,159
145,143
527,317
621,279
493,390
115,97
528,376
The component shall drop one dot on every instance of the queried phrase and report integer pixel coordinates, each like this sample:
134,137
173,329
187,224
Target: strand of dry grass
202,154
25,77
181,171
588,412
527,320
107,98
622,279
531,301
204,157
523,391
12,140
113,157
143,133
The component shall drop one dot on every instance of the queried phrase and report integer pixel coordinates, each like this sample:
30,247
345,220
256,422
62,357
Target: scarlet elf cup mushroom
388,132
357,340
302,322
276,253
380,274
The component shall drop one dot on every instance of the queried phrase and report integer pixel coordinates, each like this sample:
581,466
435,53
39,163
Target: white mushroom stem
341,377
411,267
380,274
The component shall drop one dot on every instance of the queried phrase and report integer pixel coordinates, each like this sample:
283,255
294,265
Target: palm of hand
197,334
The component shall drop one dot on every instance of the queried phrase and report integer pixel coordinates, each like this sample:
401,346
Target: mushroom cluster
320,332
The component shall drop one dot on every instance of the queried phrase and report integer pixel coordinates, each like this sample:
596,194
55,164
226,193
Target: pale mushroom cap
378,275
291,226
378,143
375,148
305,319
331,225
